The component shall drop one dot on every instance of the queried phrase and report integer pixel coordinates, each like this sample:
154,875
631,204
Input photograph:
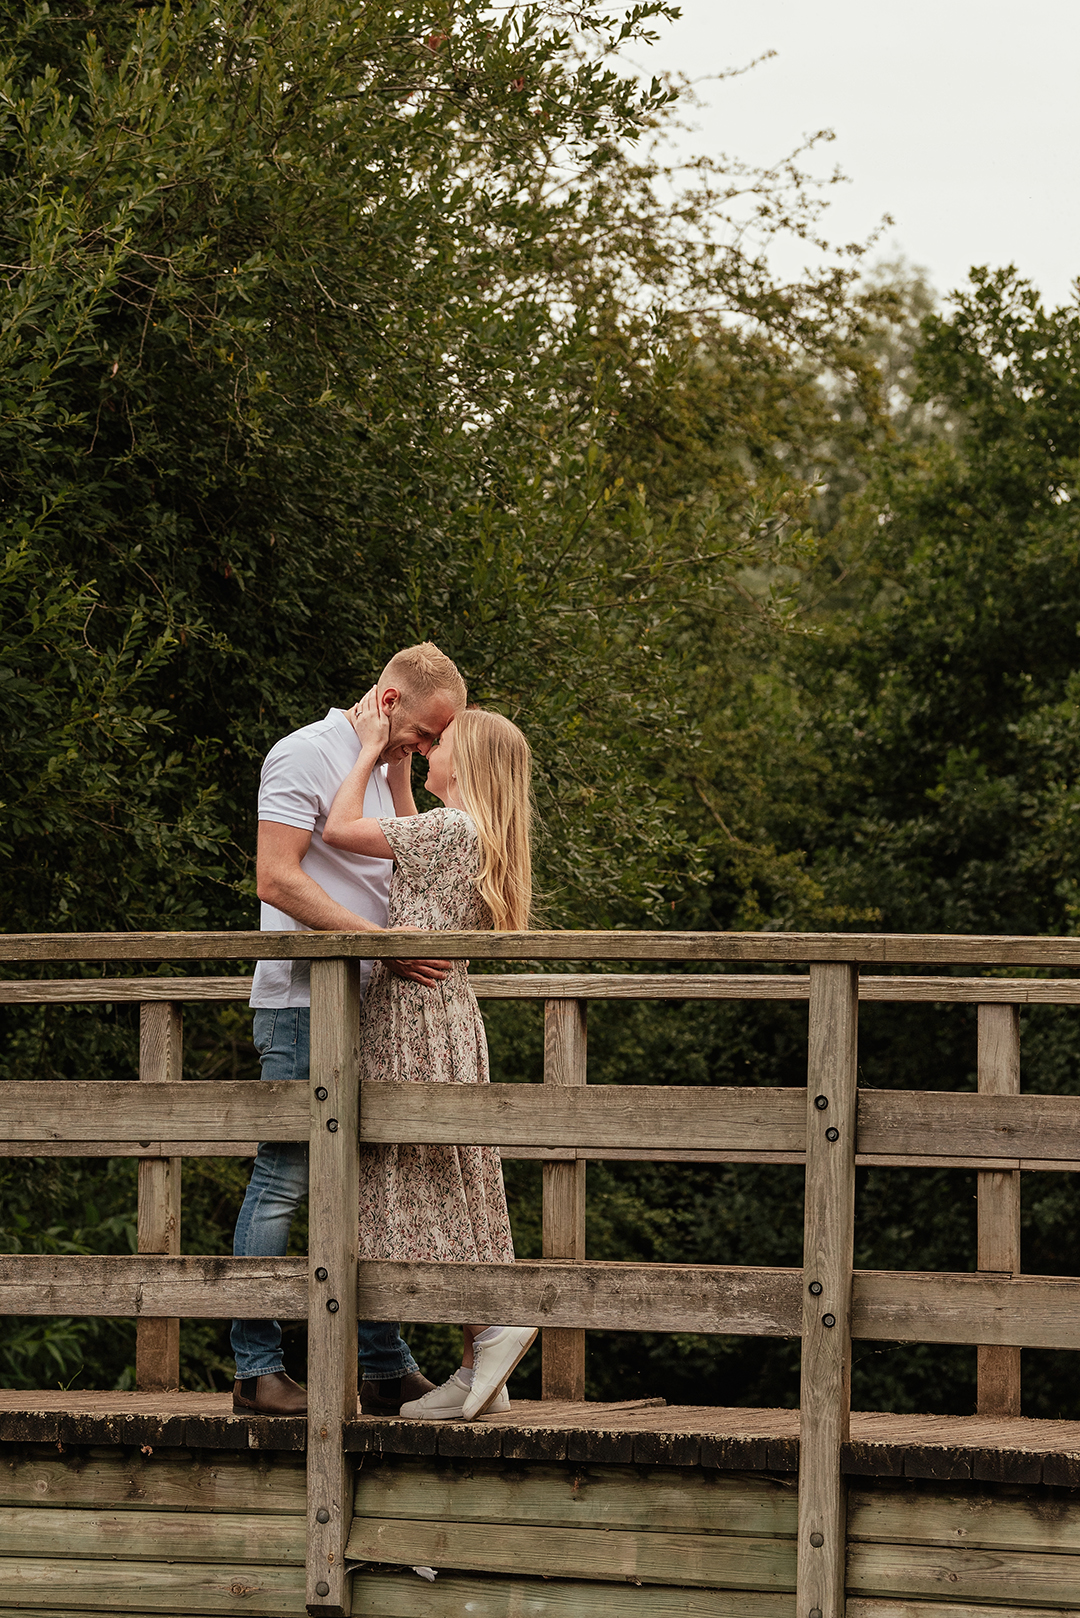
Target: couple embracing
343,849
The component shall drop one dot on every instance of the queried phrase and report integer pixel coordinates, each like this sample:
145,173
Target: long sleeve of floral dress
430,1202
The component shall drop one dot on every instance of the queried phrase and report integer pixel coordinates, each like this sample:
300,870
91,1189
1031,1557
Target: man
304,885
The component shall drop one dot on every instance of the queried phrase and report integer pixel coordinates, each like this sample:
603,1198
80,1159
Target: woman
465,867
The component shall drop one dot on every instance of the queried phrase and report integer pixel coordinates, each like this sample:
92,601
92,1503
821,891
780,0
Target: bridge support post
333,1218
999,1204
161,1056
828,1254
565,1051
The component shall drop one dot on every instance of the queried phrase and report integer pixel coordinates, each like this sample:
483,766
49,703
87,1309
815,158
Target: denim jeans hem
389,1376
269,1370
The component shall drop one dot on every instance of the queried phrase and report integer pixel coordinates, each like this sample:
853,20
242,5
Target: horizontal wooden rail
601,1116
919,1307
697,1123
1000,1129
881,949
577,986
113,1110
146,1286
1028,1311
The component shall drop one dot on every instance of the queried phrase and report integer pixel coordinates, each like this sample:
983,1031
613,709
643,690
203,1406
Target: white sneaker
446,1403
492,1364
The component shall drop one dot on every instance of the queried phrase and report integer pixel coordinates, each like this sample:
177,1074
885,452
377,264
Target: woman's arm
346,825
399,780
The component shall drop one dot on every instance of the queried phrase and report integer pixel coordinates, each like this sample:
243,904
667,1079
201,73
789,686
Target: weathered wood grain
161,1061
963,1574
661,1500
147,1286
606,1116
578,986
116,991
949,1123
894,1607
953,949
563,1196
386,1596
108,1110
1027,1311
998,1375
742,1562
334,1100
49,1585
983,1520
153,1536
128,1480
598,1297
828,1244
129,1148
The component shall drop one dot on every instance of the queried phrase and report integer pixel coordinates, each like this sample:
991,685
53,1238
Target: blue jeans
278,1184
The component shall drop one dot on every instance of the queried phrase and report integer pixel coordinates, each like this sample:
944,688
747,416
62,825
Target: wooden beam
736,1561
333,1218
580,1116
50,1586
106,1109
828,1252
881,949
1032,1311
565,1054
999,1205
687,1500
153,1536
951,1123
161,1060
144,1286
117,991
578,986
591,1296
389,1595
1023,1311
969,1576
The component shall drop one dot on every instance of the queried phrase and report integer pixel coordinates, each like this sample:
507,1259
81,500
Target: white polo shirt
299,779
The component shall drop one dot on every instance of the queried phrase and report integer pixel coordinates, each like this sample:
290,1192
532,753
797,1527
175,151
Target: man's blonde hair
493,764
422,671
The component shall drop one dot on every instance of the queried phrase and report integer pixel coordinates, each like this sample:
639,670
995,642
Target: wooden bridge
163,1502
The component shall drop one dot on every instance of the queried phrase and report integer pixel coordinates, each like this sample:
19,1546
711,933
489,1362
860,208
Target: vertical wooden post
563,1348
157,1342
828,1253
999,1204
333,1218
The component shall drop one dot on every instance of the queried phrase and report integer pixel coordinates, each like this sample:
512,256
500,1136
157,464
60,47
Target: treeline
324,330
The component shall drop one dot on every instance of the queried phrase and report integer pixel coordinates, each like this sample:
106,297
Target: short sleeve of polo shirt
292,786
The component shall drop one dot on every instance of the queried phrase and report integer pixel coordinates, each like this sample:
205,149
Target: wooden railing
830,1125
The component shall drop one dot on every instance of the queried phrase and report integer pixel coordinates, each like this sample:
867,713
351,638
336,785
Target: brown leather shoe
387,1398
272,1395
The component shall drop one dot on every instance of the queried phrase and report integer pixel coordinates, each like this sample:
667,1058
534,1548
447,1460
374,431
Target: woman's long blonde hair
493,764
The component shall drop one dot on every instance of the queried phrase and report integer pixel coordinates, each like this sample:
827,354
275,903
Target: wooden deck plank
733,1438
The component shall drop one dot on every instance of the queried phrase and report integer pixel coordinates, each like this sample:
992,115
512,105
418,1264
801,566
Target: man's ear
389,697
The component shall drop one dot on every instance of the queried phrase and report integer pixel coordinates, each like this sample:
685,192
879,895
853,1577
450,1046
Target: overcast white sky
960,118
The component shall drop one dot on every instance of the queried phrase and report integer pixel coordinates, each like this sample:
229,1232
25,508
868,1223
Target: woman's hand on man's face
371,725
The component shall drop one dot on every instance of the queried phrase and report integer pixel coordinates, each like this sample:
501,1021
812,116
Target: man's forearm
302,898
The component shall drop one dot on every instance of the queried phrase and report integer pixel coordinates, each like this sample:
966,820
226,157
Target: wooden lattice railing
830,1126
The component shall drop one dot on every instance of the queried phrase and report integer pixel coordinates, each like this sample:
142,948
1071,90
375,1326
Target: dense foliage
326,328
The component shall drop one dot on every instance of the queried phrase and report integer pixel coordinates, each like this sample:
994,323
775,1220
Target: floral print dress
430,1202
